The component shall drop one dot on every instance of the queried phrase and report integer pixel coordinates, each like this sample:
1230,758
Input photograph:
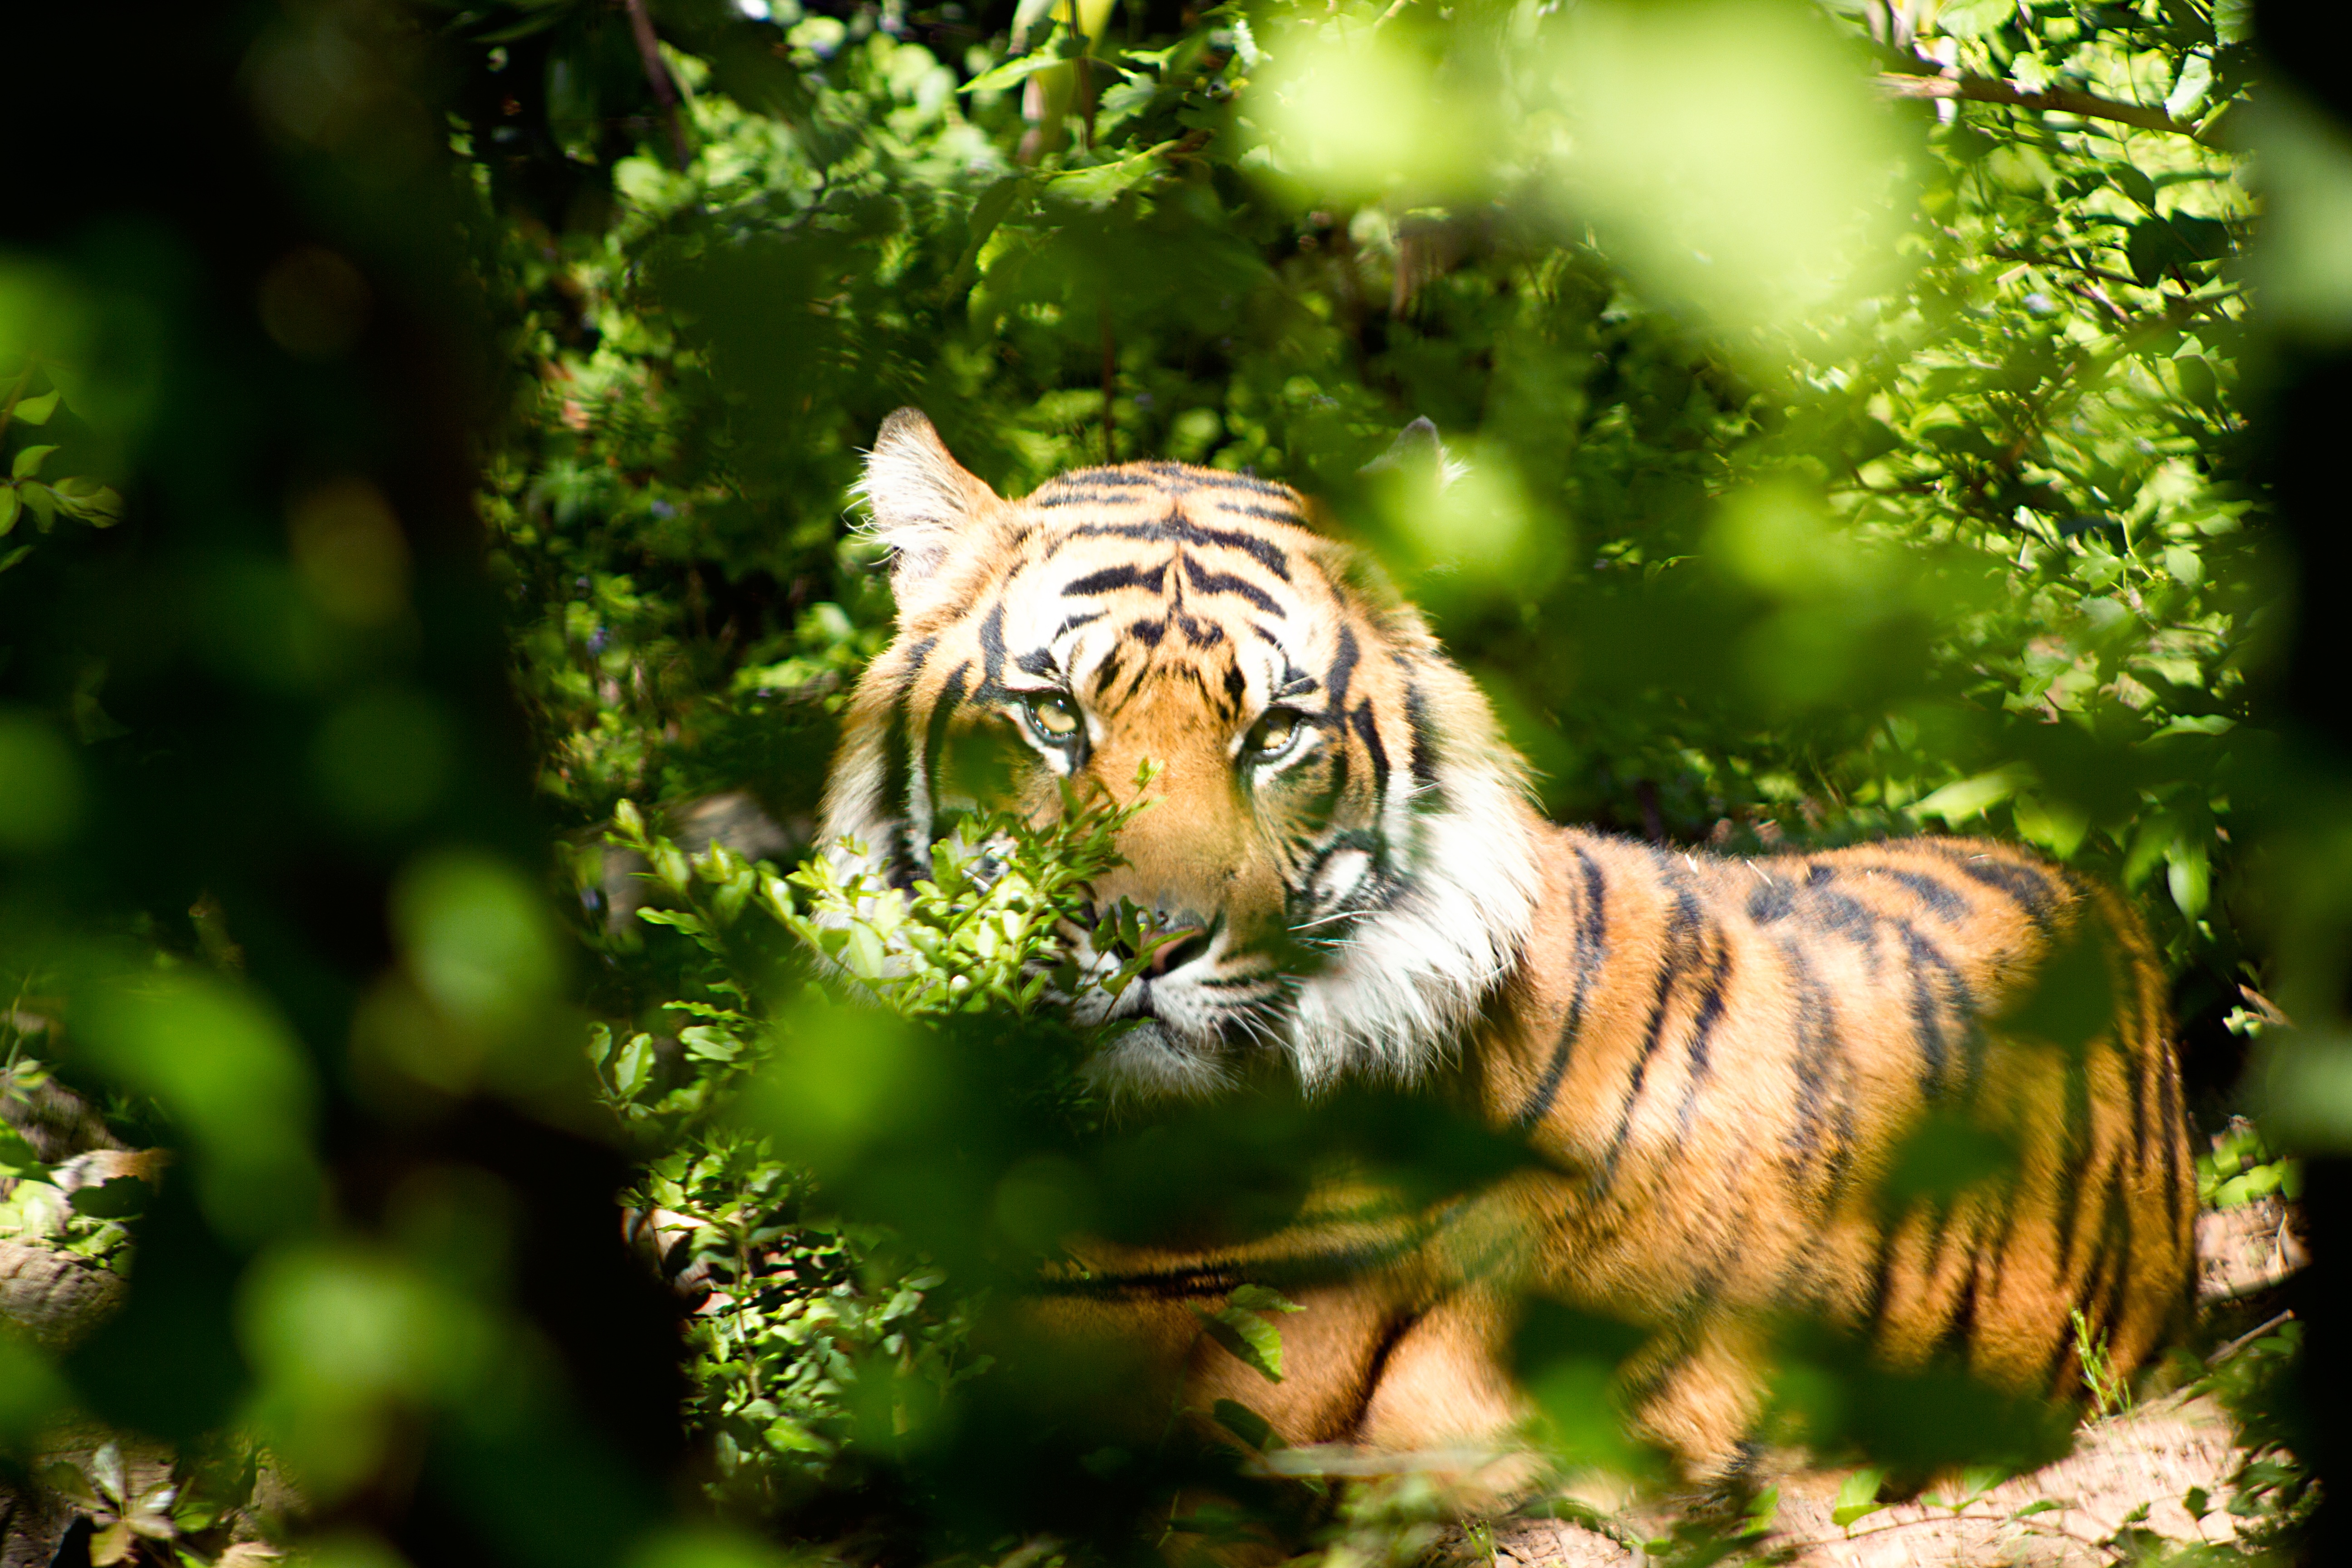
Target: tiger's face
1335,850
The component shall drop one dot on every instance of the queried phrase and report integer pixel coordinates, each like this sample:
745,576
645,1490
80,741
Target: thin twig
2094,292
2029,1522
2243,1341
641,27
2056,100
2036,259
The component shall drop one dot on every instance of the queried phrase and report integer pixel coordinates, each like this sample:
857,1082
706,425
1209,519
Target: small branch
2057,100
2039,1525
2094,292
2034,259
2243,1341
641,27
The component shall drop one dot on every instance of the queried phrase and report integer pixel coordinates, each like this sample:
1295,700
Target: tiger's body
1715,1060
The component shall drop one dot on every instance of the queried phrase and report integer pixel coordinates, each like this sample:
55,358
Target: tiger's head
1337,847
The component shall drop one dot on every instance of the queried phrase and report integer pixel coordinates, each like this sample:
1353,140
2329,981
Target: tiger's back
1733,1056
1719,1064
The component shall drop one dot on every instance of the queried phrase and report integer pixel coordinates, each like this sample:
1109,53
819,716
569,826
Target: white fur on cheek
1410,979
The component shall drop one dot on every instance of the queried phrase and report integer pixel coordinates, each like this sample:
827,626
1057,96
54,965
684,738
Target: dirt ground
2152,1455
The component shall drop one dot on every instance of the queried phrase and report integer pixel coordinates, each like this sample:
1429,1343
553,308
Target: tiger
1715,1061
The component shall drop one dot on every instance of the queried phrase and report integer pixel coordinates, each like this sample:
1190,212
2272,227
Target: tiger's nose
1184,944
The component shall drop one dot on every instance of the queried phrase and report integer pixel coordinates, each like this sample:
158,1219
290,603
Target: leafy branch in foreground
816,1337
25,490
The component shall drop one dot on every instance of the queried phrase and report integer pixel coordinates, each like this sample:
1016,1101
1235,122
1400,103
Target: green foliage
25,492
1922,502
820,1332
1835,467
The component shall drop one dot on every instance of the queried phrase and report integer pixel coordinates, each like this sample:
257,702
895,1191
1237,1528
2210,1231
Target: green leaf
863,956
635,1067
2134,184
1044,57
989,211
1246,1424
705,1044
11,504
1858,1498
28,461
1262,1298
1757,1519
14,555
1972,798
1101,185
2204,239
2189,876
1252,1340
1974,19
2044,1505
119,1198
18,1158
37,410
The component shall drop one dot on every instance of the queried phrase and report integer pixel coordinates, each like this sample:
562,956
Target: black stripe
1343,667
1816,1042
1148,634
1072,623
992,650
1207,581
896,763
1267,513
1959,1330
1882,1273
1393,1332
1199,633
2179,1195
1938,896
1771,901
1681,932
1427,794
1703,1023
2028,889
1124,479
1367,730
1176,529
1091,496
1926,1008
1037,661
935,734
1221,480
1591,946
2076,1156
1112,578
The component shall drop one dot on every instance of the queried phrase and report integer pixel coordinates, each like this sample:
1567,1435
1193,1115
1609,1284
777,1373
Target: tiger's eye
1053,715
1272,733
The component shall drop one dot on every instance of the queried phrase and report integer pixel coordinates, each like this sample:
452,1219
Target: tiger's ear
922,502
